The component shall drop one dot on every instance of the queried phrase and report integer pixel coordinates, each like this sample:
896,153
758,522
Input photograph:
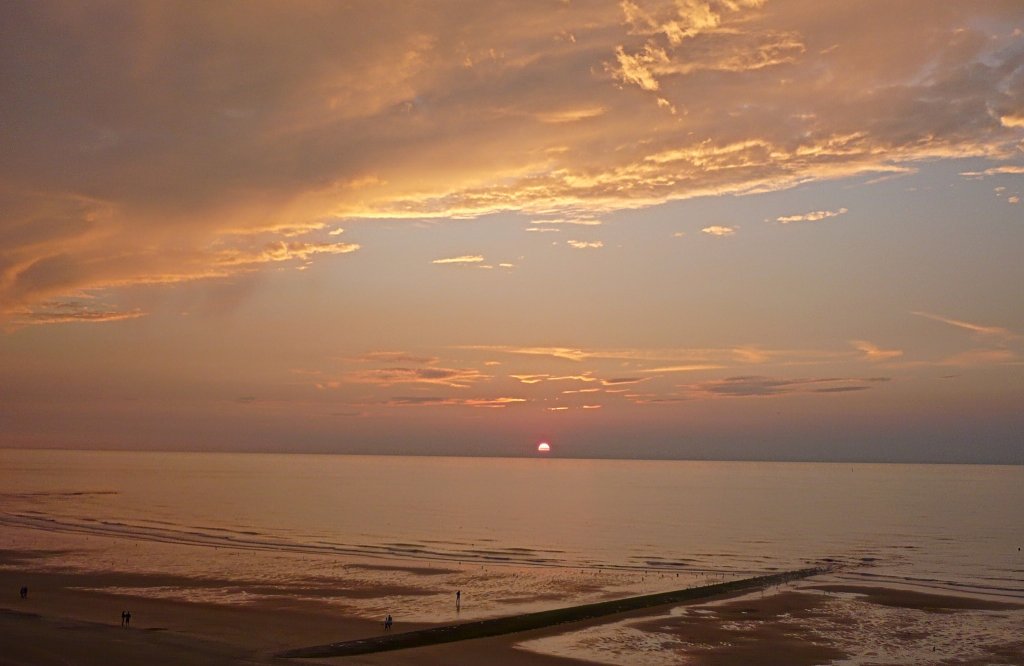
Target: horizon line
526,456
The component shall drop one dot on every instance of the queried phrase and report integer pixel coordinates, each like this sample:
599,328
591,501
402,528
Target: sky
697,229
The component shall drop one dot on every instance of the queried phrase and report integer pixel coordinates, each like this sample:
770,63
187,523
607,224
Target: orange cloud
571,115
1007,169
455,378
249,152
619,381
978,329
464,259
566,353
694,367
813,216
581,221
435,401
281,251
530,379
873,352
69,312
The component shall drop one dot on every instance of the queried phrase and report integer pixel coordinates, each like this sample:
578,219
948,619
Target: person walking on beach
458,599
387,622
126,618
24,592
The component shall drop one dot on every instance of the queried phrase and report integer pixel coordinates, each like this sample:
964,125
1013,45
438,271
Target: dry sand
61,624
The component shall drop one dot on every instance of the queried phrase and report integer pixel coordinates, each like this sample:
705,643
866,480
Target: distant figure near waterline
387,622
126,618
458,599
24,592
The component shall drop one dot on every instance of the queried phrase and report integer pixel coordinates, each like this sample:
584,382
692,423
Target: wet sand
805,625
67,619
60,623
515,624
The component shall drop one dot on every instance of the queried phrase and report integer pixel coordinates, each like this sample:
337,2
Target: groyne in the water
516,623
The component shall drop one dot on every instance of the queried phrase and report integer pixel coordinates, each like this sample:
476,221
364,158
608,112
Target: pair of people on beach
126,618
387,622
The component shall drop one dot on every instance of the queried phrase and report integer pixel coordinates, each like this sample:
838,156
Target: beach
59,624
68,619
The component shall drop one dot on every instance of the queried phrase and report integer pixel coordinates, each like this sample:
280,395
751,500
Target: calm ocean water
947,527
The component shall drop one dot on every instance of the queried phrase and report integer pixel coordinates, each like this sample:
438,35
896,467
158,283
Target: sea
368,534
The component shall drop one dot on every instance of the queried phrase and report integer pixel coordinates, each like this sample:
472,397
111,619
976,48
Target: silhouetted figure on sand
126,618
458,599
387,622
24,592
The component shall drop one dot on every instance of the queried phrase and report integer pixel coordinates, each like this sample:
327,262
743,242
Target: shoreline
61,623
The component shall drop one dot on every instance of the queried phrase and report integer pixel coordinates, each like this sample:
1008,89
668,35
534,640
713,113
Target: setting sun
329,266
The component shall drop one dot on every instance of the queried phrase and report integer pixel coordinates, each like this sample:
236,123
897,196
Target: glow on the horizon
543,447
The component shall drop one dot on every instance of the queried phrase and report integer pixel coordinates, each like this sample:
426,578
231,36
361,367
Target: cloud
813,216
464,259
1012,120
716,230
693,367
436,401
680,360
280,251
570,115
580,221
128,163
873,353
536,379
567,353
529,379
63,312
840,389
455,378
760,386
1006,169
992,332
620,381
683,38
585,377
585,245
396,357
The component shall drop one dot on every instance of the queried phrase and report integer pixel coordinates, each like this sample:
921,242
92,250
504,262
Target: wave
220,537
979,585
